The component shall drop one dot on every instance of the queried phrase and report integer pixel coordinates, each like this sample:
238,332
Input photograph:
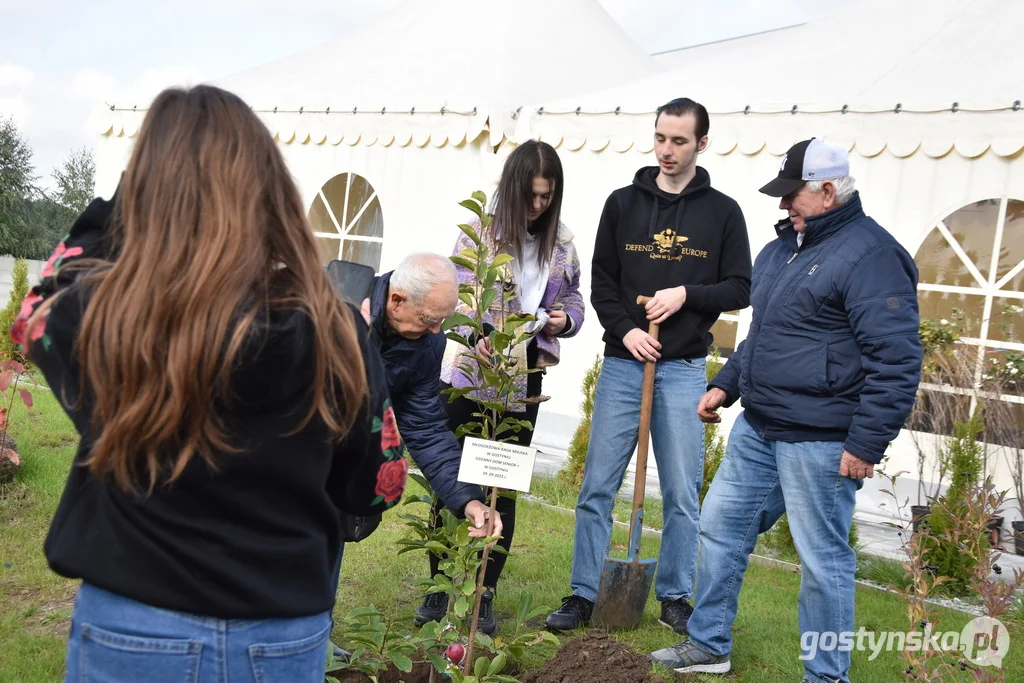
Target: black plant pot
919,513
1018,536
995,528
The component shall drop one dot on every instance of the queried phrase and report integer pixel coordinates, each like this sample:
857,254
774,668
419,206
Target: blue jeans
677,437
115,639
758,480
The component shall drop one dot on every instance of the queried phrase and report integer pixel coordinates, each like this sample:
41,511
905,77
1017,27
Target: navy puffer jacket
413,368
833,352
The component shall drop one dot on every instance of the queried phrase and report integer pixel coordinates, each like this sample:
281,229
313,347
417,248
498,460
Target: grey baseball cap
808,160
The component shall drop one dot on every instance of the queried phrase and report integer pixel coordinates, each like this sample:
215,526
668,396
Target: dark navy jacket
833,352
413,368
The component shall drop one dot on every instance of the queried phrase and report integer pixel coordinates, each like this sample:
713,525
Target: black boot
487,623
434,607
675,614
574,613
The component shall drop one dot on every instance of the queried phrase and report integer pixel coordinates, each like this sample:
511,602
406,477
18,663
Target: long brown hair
515,195
212,238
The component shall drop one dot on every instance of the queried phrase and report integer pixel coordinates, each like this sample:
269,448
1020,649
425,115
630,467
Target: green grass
1016,612
556,493
35,604
882,570
775,543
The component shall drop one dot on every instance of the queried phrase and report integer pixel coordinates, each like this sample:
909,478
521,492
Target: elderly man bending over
827,376
407,307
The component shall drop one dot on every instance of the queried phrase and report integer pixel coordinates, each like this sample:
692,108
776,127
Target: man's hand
665,303
853,467
483,349
709,404
365,310
643,346
555,324
477,513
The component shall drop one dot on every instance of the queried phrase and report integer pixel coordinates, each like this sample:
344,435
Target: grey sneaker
687,658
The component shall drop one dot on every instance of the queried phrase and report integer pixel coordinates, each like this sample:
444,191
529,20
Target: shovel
625,584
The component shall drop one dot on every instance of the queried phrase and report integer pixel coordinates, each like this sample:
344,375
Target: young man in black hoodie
672,236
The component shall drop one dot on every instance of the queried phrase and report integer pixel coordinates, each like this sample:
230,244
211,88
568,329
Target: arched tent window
971,269
347,220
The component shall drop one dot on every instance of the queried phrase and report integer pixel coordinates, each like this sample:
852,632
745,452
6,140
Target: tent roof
459,53
694,54
443,68
872,57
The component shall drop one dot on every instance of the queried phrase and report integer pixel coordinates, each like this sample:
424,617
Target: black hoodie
255,539
649,240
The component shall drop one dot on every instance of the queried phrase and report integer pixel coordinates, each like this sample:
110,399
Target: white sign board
490,463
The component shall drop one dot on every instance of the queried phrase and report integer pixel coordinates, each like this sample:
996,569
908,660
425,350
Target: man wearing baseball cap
826,377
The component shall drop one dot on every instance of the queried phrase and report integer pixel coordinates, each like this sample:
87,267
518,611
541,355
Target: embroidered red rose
38,328
57,253
18,331
62,252
28,305
391,479
389,437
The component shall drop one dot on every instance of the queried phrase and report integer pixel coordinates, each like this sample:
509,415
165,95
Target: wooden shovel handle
646,403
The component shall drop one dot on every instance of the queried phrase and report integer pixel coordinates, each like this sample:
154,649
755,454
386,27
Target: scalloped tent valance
399,129
451,76
901,135
934,76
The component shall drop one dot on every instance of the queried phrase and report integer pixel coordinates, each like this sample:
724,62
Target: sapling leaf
468,229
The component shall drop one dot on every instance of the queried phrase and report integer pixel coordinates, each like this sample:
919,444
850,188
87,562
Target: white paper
537,325
490,463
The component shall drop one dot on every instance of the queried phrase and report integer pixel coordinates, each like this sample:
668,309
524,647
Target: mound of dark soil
594,658
420,674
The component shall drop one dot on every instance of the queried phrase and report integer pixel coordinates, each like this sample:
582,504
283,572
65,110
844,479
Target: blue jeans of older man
677,438
758,480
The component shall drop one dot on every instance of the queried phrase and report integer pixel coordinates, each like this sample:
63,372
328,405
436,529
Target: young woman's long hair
514,197
212,237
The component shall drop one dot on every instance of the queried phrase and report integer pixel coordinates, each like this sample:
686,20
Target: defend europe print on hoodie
649,240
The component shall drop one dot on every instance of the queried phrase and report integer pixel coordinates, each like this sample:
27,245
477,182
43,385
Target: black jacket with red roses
256,539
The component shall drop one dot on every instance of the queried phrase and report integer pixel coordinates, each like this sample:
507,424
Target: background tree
75,180
19,277
33,221
17,186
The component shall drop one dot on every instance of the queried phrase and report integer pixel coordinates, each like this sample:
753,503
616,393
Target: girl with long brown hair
228,407
543,281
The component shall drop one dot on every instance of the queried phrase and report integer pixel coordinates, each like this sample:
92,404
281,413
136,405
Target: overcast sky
60,58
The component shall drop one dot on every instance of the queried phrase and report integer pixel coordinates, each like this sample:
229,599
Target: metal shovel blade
625,585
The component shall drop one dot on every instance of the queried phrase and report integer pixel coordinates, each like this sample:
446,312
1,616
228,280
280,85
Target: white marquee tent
414,104
387,128
926,96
